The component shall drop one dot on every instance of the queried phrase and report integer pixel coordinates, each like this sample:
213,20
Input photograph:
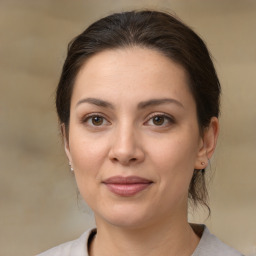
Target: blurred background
39,203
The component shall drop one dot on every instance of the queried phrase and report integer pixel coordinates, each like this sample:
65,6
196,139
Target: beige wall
38,198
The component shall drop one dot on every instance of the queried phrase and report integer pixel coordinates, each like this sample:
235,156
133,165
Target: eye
95,120
160,120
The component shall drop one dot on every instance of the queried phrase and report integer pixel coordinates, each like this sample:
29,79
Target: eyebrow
141,105
155,102
97,102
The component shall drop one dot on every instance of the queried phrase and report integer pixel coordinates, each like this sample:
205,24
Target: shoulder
72,248
210,245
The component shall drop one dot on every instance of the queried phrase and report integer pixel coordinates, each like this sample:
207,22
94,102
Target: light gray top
209,245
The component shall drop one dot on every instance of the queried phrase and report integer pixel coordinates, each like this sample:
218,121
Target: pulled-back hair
154,30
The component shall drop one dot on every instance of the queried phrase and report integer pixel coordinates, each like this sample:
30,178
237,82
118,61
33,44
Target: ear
66,142
207,144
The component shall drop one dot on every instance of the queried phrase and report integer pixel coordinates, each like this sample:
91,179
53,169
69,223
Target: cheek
175,159
88,156
176,152
87,161
86,149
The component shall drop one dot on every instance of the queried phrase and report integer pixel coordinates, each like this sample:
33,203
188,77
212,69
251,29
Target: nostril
126,154
124,161
115,159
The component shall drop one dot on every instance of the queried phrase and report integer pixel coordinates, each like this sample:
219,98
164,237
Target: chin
124,217
128,223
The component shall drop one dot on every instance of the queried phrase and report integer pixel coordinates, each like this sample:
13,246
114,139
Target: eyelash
88,118
167,120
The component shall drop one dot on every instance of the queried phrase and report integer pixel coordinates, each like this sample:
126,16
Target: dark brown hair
153,30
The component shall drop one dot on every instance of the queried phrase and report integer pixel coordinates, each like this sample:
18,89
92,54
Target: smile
126,186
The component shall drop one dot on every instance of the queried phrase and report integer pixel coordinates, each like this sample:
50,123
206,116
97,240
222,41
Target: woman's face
133,139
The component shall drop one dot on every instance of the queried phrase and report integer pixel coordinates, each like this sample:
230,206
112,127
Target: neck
176,238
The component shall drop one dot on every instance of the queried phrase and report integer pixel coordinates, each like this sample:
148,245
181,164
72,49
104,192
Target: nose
126,147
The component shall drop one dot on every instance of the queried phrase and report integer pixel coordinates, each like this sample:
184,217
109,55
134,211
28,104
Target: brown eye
158,120
97,120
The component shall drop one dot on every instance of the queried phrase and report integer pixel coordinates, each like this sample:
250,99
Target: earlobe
66,142
208,144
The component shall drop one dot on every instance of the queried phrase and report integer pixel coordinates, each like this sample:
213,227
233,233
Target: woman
138,104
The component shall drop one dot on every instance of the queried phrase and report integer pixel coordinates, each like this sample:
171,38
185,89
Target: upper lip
126,180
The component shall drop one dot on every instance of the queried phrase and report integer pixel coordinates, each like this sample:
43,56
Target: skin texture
132,134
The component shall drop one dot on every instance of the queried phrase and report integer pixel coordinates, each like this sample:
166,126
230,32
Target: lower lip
127,189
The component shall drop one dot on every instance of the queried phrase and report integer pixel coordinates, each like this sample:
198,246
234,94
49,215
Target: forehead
134,57
137,71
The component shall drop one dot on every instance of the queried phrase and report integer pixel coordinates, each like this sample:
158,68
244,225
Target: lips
127,186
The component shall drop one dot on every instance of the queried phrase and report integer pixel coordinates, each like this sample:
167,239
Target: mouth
127,186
